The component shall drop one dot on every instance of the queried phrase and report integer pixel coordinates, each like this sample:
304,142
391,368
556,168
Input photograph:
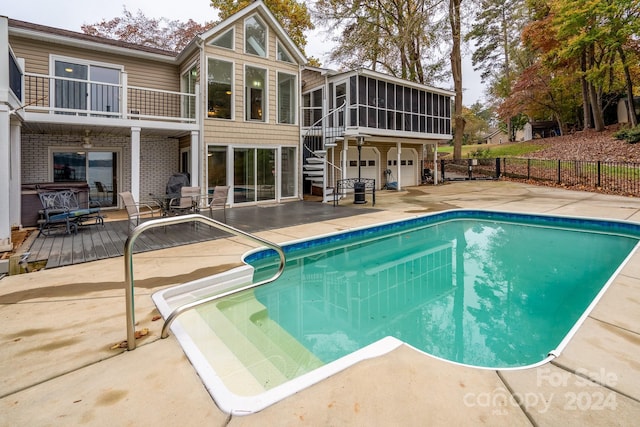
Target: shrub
631,135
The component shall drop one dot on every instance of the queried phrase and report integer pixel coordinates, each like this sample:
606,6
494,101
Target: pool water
486,289
478,292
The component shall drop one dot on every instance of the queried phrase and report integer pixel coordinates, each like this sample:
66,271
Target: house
238,106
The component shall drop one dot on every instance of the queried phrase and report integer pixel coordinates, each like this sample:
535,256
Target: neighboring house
231,109
495,136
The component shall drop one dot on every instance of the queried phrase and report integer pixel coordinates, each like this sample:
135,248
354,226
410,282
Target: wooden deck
94,242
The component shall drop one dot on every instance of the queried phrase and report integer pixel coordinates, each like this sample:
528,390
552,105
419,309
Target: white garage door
408,166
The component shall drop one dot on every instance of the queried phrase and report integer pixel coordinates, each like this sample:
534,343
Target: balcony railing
69,96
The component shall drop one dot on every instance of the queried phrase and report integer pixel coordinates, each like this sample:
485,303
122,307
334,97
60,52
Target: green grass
494,150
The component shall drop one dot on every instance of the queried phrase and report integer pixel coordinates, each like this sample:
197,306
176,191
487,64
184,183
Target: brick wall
159,158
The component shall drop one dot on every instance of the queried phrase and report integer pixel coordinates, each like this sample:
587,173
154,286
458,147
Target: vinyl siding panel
312,79
141,72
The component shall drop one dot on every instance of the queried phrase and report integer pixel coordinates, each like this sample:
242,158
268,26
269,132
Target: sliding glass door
97,168
254,177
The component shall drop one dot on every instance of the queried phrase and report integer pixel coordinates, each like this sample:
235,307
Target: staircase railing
323,133
128,263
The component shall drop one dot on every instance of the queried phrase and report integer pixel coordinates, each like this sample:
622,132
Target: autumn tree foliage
584,53
160,33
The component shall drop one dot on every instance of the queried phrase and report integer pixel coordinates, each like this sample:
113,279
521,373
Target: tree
597,33
496,36
151,32
292,15
395,37
456,71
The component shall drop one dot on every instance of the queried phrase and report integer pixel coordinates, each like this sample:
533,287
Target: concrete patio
57,365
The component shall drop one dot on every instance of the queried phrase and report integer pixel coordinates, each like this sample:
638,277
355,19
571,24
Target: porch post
345,154
195,158
15,183
135,163
5,134
435,164
5,167
399,169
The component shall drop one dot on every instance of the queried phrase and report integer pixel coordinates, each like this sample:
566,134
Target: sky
71,14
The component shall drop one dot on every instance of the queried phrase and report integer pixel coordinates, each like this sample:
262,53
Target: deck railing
78,97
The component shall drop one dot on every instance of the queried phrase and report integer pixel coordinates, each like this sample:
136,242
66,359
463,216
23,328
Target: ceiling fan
86,140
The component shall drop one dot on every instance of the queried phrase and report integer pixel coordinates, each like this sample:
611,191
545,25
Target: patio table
164,200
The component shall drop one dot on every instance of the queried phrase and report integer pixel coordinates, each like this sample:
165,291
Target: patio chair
103,192
187,202
218,199
136,211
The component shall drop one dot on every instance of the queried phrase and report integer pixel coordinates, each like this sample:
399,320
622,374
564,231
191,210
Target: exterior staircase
317,140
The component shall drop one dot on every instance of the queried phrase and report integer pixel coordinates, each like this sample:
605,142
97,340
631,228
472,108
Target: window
288,175
311,107
216,166
255,80
255,36
219,89
287,95
384,105
282,54
86,86
97,168
224,40
189,80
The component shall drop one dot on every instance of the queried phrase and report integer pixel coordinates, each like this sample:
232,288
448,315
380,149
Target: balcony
60,99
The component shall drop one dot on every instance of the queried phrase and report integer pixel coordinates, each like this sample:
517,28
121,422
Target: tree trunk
631,108
596,106
586,105
456,71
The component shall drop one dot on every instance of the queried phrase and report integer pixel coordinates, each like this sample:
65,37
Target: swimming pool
486,289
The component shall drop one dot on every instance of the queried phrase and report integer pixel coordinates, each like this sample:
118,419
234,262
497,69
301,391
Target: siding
239,131
141,72
312,79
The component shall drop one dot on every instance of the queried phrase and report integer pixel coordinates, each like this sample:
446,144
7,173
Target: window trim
233,82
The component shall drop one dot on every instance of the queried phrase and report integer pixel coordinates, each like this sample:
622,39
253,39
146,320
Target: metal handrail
162,222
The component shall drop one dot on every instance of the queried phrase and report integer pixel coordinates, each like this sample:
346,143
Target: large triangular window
283,55
224,40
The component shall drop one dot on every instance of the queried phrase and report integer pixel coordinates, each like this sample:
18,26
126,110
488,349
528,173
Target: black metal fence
610,177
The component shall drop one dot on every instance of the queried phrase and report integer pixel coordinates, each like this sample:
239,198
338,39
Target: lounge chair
136,211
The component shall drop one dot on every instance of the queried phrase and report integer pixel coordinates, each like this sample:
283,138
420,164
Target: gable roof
258,6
